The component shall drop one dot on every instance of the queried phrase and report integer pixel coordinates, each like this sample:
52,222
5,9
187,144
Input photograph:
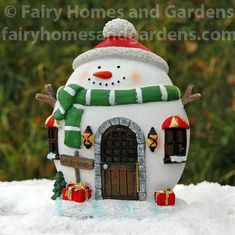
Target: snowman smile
104,78
101,83
105,83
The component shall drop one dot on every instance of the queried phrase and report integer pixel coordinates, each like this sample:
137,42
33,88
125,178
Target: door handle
105,166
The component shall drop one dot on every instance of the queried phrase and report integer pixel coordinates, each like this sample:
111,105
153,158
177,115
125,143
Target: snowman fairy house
118,129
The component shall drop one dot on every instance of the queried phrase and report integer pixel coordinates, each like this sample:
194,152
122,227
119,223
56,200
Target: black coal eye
118,66
99,67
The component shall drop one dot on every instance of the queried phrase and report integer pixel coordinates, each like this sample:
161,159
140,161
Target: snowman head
117,73
119,62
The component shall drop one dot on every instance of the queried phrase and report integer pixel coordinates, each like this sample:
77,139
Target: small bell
152,139
87,137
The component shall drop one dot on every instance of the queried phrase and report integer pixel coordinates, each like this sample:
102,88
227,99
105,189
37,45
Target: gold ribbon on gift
167,192
76,186
85,187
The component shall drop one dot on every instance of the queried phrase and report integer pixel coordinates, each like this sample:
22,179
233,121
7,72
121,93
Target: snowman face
116,73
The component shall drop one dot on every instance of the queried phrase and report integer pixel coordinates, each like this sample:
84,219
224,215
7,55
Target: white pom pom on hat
119,27
119,42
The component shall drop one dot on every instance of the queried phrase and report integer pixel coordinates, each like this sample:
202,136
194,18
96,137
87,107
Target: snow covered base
206,208
110,209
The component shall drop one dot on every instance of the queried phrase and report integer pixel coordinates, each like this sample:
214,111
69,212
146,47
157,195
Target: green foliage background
26,66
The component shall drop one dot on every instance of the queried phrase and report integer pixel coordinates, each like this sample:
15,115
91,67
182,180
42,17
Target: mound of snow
206,208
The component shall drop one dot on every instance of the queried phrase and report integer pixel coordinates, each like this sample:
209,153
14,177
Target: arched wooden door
119,168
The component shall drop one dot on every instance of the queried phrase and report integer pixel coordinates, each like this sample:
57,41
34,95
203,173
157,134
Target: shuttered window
175,143
53,139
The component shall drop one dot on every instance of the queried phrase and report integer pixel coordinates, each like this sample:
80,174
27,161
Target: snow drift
206,208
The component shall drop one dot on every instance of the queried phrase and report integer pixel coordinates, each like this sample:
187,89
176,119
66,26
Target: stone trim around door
140,152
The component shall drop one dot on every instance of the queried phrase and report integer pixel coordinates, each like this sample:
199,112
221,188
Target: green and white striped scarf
72,100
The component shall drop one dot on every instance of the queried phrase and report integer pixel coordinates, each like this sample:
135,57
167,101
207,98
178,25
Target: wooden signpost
77,163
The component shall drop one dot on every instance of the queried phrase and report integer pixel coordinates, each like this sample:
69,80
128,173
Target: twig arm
189,96
49,98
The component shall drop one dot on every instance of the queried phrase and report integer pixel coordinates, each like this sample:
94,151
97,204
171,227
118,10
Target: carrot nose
103,74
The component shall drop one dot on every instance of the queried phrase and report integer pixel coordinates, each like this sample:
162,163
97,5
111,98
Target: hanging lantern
87,137
152,139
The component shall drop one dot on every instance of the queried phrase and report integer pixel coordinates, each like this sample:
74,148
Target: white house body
125,167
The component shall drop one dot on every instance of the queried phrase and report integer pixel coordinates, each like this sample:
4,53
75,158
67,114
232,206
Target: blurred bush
26,66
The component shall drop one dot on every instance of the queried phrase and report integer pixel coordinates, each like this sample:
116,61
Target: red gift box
165,197
76,192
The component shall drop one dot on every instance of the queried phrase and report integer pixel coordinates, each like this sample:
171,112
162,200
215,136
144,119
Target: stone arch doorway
119,169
